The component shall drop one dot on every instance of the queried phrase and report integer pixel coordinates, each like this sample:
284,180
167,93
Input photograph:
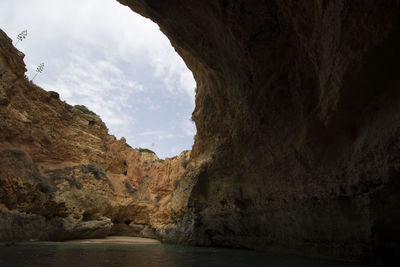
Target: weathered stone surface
297,112
16,225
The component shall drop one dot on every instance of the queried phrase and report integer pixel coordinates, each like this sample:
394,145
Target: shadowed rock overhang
297,112
297,149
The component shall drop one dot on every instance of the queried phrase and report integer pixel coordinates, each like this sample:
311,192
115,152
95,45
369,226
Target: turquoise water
47,254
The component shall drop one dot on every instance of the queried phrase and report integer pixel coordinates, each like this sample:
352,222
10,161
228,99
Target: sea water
47,254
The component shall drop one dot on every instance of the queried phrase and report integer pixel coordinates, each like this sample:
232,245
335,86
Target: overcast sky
101,54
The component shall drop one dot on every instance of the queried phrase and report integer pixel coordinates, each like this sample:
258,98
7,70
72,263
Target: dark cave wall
298,119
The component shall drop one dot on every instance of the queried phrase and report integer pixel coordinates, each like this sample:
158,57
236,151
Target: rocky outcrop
297,146
15,225
62,176
297,113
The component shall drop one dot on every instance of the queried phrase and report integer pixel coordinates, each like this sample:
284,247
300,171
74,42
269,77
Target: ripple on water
62,254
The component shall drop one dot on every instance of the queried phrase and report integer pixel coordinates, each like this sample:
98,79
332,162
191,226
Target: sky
101,54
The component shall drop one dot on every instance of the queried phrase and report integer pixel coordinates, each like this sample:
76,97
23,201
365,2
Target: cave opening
118,64
278,164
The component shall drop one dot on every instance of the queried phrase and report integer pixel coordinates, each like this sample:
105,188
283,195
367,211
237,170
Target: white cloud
150,132
173,72
189,128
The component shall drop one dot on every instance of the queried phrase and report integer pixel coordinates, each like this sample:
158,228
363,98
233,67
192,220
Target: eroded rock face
297,112
62,176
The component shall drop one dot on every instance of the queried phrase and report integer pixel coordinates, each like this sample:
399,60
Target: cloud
189,128
149,132
98,84
173,72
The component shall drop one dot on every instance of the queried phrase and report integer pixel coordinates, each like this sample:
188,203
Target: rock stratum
297,149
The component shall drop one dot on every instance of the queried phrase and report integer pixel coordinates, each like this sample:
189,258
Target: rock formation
297,113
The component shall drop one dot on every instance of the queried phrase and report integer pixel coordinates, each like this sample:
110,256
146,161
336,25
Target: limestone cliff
63,176
297,149
297,112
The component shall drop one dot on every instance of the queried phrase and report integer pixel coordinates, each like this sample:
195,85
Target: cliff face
63,176
297,112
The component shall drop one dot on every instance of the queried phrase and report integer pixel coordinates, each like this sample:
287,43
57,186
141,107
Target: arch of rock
297,149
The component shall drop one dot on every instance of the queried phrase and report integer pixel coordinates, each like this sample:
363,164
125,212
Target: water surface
88,254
